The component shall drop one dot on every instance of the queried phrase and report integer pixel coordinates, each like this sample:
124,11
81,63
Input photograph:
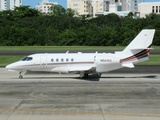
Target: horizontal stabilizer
129,65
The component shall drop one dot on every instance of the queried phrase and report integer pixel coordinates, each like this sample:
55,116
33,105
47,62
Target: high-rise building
88,6
126,5
130,5
9,4
134,5
115,1
44,6
94,6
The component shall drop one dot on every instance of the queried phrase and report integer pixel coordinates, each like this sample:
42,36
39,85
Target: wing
72,69
83,68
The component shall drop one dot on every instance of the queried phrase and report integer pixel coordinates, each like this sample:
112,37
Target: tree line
25,26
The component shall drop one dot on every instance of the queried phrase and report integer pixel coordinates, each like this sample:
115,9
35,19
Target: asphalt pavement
67,97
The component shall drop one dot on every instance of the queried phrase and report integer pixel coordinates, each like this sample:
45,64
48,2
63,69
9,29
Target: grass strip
61,48
67,47
5,60
153,60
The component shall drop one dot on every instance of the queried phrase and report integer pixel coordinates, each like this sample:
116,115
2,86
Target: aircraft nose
8,67
11,66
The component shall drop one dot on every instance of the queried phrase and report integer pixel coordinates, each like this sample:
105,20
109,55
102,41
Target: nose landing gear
20,76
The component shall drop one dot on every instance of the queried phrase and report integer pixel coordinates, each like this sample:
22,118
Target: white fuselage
68,62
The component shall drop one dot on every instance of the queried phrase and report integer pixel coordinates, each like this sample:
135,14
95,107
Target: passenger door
43,62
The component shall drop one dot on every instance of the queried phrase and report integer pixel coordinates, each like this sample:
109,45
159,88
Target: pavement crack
98,102
21,102
15,109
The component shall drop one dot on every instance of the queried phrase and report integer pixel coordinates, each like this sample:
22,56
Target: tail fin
138,50
142,41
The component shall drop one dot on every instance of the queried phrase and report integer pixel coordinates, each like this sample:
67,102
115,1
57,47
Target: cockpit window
27,59
24,59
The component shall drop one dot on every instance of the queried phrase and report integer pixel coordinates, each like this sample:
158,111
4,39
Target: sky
63,3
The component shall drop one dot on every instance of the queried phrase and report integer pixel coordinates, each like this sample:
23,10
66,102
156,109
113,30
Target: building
122,8
148,7
119,13
84,7
9,4
98,6
44,6
134,5
126,5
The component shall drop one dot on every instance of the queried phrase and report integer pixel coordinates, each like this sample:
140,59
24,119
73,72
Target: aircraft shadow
98,79
148,76
90,78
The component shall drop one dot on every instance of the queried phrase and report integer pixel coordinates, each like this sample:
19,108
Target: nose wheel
20,76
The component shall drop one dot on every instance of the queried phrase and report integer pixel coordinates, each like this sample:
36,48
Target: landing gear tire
85,75
20,77
99,74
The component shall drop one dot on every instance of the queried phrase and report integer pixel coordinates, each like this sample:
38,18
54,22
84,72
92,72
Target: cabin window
72,59
57,60
67,60
62,60
52,60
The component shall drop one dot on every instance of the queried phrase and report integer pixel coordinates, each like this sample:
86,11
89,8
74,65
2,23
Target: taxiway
66,97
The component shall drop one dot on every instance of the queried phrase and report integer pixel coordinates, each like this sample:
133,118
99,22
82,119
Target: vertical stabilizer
139,49
142,41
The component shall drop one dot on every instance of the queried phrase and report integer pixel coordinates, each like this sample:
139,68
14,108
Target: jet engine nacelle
105,64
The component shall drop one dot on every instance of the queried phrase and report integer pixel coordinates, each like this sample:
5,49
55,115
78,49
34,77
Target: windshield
27,59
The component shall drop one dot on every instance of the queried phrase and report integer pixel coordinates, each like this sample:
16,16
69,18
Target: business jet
88,63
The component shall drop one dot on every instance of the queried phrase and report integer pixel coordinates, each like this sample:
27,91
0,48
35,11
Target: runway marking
82,113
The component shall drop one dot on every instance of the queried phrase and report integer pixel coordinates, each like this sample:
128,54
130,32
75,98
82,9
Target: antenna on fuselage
67,52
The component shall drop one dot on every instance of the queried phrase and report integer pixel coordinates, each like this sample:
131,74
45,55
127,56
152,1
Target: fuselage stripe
67,63
139,55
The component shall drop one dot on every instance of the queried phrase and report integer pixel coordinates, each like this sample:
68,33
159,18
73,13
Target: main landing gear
84,75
